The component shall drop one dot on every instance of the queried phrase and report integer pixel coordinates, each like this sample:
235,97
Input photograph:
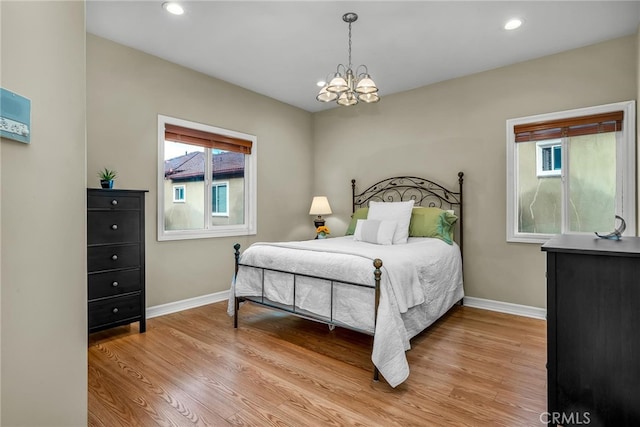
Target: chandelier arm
359,74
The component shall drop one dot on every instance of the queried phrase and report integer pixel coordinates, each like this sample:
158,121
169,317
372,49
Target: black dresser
593,331
115,258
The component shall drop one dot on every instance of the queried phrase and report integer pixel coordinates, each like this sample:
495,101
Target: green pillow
432,222
360,213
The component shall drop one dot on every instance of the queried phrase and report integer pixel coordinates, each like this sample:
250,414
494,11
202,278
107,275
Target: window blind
574,126
206,139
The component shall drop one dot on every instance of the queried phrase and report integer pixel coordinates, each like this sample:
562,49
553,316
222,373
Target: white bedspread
420,281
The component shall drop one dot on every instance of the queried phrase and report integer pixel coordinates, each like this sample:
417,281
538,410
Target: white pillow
373,231
393,211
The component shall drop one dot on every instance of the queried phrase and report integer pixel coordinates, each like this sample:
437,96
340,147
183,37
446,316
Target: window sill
203,234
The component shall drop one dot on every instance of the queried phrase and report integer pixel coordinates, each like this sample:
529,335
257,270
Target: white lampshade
366,85
347,98
326,96
337,85
369,97
320,206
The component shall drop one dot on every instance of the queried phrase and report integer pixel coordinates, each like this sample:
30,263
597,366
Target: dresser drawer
115,200
113,283
115,309
113,257
113,227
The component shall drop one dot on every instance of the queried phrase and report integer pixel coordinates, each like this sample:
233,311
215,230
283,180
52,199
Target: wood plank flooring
471,368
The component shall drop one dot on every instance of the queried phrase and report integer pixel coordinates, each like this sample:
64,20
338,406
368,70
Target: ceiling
282,48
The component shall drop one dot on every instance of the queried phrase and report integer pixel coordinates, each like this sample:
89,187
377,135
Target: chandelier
348,87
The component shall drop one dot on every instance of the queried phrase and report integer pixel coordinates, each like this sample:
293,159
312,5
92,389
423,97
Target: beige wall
44,296
126,90
438,130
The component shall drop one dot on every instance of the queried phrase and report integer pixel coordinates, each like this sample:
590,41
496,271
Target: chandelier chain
349,44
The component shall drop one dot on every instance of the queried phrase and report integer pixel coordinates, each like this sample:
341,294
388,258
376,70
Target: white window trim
250,182
184,194
626,156
539,147
220,184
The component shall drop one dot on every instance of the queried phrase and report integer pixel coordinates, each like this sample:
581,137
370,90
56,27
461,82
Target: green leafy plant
107,174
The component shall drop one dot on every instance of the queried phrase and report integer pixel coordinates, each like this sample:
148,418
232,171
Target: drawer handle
114,227
115,310
114,202
114,284
114,257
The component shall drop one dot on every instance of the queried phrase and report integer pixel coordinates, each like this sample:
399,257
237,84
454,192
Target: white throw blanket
415,276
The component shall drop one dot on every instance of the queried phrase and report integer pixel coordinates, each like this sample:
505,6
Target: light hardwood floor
471,368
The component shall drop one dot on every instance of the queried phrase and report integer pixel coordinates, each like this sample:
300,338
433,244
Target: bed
362,282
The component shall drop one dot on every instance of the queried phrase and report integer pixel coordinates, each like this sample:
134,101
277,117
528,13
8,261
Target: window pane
228,188
219,198
557,157
546,159
592,182
184,165
539,198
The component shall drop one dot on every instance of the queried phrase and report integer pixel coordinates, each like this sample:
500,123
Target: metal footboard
262,300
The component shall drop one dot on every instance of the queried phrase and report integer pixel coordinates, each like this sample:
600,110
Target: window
220,199
549,158
178,194
217,167
571,172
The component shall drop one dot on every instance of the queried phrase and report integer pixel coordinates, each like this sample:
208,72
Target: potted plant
106,177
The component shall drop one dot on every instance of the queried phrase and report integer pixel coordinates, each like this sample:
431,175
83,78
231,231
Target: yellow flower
323,229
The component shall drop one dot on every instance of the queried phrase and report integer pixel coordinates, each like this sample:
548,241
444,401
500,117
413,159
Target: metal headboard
424,191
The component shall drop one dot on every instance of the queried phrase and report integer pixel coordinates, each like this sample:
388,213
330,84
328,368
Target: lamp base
318,222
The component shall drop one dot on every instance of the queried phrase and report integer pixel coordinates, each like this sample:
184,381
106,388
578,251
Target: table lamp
319,206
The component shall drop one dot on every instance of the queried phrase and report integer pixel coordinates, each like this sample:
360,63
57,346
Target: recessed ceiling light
321,83
173,7
512,24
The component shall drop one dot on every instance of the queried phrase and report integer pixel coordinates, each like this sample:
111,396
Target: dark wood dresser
115,258
593,336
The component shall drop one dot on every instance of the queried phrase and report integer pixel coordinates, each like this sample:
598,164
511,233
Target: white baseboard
485,304
185,304
506,307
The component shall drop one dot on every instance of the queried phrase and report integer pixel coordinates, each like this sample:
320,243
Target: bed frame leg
377,264
236,303
461,302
